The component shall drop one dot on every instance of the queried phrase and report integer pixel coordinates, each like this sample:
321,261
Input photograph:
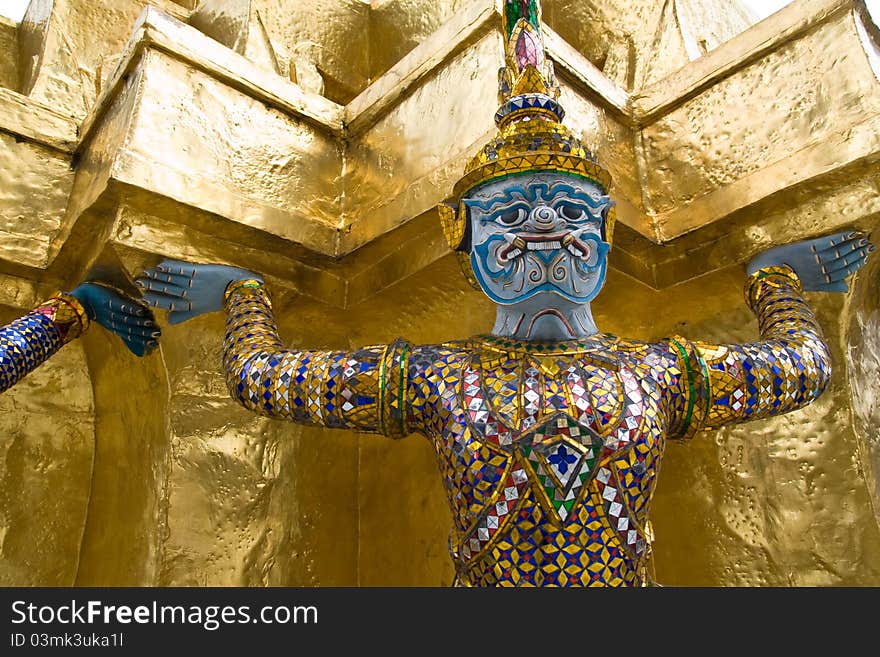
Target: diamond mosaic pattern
561,454
29,341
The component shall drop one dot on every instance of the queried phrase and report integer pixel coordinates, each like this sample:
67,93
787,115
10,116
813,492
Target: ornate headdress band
531,136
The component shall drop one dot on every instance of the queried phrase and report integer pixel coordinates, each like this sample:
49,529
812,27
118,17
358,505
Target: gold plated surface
31,120
254,164
636,43
59,57
718,151
8,53
47,441
863,369
35,186
249,499
381,192
207,137
330,36
398,26
123,533
669,183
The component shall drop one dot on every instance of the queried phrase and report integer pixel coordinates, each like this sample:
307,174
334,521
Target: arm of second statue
31,340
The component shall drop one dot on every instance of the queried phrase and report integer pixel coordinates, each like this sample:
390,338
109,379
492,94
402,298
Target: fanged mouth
517,245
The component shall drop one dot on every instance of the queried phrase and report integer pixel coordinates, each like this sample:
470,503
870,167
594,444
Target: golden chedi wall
310,141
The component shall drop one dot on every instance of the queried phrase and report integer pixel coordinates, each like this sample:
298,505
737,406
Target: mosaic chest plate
549,459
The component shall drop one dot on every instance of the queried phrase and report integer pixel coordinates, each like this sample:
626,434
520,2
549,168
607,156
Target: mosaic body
549,452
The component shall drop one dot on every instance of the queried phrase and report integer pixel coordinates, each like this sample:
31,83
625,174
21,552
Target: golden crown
531,136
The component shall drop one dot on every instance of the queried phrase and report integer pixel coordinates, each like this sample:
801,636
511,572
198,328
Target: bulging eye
512,217
571,212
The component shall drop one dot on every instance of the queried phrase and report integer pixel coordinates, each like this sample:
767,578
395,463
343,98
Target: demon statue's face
539,235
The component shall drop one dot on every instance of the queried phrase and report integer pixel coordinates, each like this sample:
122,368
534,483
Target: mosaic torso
549,453
549,458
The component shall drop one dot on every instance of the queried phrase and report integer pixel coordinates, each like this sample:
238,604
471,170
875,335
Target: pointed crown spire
531,136
527,70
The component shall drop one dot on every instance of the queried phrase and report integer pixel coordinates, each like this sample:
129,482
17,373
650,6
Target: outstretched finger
119,306
140,346
836,248
846,272
126,322
134,333
860,255
156,274
167,302
168,289
122,318
177,267
137,347
161,301
136,309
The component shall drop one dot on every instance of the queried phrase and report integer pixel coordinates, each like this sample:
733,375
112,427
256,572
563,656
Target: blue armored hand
823,264
187,289
128,318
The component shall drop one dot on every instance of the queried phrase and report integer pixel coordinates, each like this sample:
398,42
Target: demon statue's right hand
188,290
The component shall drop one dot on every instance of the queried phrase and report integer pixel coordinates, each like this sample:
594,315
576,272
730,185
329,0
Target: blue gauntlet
188,290
822,264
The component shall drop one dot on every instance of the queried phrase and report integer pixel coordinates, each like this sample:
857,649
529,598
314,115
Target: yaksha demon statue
549,433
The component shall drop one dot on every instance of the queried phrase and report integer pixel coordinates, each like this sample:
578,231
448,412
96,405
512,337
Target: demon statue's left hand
822,264
129,318
188,290
548,432
29,341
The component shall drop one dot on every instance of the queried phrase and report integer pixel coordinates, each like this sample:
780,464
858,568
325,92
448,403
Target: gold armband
393,373
772,277
69,315
247,283
696,390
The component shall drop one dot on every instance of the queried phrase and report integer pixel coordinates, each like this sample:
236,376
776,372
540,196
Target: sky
13,9
763,8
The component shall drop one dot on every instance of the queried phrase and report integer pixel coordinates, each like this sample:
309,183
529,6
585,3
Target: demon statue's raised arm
29,341
549,433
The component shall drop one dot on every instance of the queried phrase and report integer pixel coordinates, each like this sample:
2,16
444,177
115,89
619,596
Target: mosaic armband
785,371
29,341
363,390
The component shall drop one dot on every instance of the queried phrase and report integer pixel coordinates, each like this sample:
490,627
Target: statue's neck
534,319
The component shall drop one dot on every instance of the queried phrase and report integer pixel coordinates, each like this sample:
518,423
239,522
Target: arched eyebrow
547,193
502,198
578,195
